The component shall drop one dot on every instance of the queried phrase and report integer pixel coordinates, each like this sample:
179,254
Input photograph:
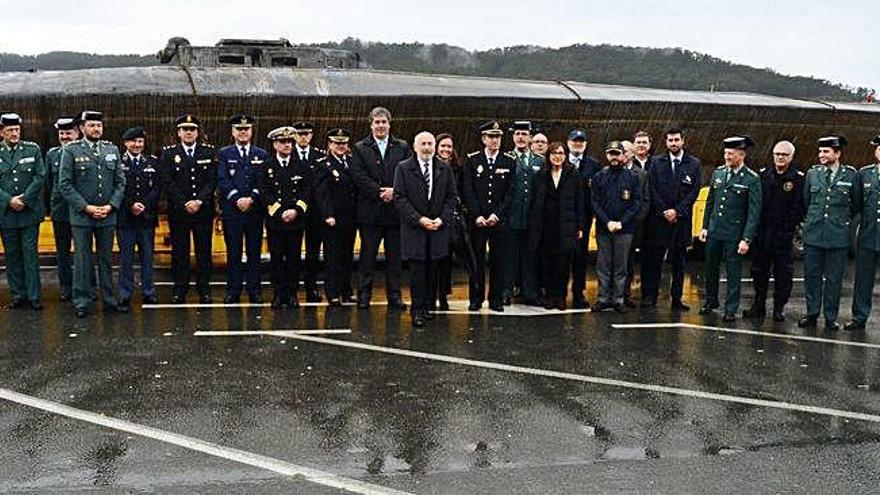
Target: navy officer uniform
238,174
832,199
488,191
335,196
868,252
137,228
310,156
781,213
285,185
189,177
91,180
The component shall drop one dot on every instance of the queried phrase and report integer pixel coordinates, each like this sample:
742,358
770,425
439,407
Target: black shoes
17,303
474,306
808,321
648,304
444,304
312,296
151,299
81,312
205,299
778,315
497,306
831,326
854,326
36,305
707,308
729,317
255,298
602,306
396,304
580,303
621,308
680,306
230,299
178,299
755,312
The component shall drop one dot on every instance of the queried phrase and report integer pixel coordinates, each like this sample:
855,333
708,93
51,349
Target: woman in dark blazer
556,221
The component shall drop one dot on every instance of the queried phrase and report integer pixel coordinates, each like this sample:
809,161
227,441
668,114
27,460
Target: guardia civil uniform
733,210
868,253
60,214
22,173
832,200
91,174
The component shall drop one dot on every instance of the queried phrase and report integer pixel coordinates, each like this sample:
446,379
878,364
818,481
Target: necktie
243,152
426,174
284,163
675,164
305,155
828,176
189,152
95,148
382,146
491,162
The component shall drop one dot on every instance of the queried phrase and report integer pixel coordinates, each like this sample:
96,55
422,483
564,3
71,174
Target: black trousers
554,269
778,258
251,229
371,237
339,245
652,268
201,233
314,239
494,239
579,267
285,252
423,282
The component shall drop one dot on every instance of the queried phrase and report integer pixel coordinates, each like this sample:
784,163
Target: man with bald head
782,188
424,194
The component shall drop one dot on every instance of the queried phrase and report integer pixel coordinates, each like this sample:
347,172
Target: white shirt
247,149
189,150
430,180
281,160
300,151
575,160
491,158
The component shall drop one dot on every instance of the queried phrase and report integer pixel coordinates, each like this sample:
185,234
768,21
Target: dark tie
675,164
305,155
828,176
284,163
243,152
189,152
426,174
491,162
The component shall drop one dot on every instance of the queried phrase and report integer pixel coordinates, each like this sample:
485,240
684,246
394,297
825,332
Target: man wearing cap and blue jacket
238,175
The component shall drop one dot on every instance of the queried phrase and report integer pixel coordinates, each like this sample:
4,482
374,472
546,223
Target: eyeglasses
781,154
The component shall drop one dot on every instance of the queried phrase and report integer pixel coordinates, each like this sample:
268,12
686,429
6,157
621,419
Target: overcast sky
836,41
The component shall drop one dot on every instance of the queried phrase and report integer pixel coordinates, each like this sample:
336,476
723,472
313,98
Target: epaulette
869,167
510,154
319,150
816,166
322,159
104,141
168,147
754,174
850,167
29,143
207,145
154,157
475,153
53,148
722,167
763,169
801,173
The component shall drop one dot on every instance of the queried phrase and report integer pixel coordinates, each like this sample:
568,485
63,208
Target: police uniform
91,175
190,174
781,213
22,174
488,186
616,197
832,200
868,254
310,156
733,210
520,277
142,185
335,196
586,166
285,185
238,174
60,214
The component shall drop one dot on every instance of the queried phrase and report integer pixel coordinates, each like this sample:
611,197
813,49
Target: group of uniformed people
531,208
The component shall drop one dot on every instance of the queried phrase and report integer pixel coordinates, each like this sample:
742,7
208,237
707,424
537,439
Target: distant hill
671,68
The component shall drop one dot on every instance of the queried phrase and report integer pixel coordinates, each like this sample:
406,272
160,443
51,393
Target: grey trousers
611,261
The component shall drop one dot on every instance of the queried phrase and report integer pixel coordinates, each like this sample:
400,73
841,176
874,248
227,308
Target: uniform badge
176,158
687,179
336,174
625,195
788,186
479,169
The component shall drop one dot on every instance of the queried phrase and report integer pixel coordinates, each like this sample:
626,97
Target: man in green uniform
868,184
733,209
92,181
832,200
520,279
22,173
68,131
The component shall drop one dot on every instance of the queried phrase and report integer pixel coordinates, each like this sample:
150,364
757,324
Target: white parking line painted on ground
647,387
243,305
213,449
460,308
751,280
773,335
282,333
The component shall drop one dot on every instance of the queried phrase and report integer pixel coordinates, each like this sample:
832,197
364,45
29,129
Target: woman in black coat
556,221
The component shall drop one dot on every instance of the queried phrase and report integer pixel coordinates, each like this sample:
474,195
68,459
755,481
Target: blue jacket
616,197
238,178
